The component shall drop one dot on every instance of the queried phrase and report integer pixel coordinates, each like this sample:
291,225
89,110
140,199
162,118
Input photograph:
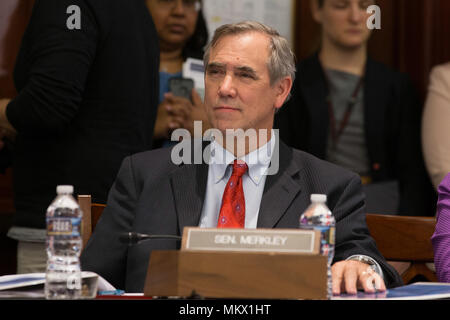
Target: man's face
238,94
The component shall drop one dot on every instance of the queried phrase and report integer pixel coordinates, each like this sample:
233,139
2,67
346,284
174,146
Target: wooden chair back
91,215
405,239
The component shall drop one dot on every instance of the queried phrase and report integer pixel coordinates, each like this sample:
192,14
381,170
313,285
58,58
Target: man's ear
283,88
316,11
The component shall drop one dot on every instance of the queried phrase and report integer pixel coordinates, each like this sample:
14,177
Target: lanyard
336,134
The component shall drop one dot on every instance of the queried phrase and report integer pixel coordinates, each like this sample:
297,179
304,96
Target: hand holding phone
181,87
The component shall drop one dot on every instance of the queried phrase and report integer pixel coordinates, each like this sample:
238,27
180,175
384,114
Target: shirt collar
257,161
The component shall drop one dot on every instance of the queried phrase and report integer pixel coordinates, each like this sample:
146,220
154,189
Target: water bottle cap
319,198
64,189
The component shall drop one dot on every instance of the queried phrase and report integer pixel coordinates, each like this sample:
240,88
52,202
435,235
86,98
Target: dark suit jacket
86,99
392,116
152,195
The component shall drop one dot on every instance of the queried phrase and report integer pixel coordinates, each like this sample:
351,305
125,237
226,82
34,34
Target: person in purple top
441,236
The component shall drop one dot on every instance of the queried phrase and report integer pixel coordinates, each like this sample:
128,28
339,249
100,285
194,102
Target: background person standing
87,97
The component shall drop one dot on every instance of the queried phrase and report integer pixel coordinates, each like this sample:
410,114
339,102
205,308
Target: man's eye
213,72
246,75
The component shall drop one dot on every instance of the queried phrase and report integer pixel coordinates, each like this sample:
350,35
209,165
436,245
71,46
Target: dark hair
194,48
320,2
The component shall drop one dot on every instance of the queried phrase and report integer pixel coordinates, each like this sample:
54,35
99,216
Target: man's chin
225,124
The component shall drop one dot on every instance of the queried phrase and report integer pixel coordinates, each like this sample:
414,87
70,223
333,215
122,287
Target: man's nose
227,87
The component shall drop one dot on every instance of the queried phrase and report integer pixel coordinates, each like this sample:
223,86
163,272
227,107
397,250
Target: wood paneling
307,31
236,275
422,34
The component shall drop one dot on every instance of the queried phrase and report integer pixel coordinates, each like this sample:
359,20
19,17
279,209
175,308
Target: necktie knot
239,168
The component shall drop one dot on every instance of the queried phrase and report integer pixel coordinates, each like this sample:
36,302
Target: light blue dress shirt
219,172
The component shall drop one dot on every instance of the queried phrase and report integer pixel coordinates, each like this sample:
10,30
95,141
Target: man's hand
349,276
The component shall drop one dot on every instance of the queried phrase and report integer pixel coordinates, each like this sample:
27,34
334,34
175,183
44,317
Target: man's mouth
226,108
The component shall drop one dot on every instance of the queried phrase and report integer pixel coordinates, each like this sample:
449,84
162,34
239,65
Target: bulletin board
279,14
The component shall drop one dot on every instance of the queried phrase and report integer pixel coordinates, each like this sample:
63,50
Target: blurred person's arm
435,125
441,235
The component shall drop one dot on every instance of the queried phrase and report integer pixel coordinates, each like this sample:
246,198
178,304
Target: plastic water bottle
63,274
319,217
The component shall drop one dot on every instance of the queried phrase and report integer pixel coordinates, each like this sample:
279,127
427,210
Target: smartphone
181,87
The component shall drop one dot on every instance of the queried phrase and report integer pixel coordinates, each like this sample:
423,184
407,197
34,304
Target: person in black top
355,112
87,83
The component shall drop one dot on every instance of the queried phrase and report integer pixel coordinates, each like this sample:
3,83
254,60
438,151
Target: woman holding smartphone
182,34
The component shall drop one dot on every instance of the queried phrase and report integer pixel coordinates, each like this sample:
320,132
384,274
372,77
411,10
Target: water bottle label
63,226
331,235
327,234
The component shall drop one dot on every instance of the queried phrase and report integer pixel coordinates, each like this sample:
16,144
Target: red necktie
232,212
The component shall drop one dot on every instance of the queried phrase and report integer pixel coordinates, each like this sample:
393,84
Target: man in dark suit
245,82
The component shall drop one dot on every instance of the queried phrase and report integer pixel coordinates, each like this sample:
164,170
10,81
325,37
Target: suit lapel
279,191
189,190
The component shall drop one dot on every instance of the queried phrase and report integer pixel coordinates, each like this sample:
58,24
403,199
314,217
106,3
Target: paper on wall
276,13
193,68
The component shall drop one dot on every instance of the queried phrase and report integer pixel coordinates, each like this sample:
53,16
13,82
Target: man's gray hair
281,58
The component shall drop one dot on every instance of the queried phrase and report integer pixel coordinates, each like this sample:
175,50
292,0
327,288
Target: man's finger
366,279
372,281
336,277
351,279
